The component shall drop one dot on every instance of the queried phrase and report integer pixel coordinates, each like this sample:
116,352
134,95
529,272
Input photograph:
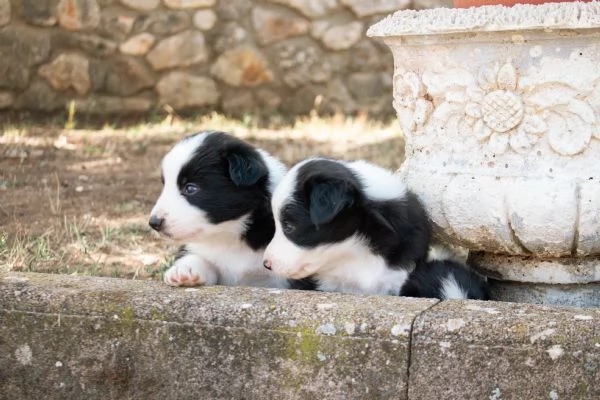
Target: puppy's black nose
156,223
267,264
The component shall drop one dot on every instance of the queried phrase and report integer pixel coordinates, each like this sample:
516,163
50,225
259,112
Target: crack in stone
513,233
576,223
410,345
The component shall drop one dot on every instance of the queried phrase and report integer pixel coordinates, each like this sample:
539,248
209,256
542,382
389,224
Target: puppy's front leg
190,270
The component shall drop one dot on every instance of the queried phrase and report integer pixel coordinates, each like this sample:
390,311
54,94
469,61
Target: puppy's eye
288,227
189,189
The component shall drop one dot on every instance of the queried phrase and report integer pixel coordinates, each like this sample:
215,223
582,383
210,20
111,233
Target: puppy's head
314,208
211,183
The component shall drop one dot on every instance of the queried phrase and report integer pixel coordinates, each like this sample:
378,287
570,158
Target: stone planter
501,113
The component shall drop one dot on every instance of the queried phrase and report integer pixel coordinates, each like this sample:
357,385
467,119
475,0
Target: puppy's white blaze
276,169
284,189
379,183
180,155
451,289
181,220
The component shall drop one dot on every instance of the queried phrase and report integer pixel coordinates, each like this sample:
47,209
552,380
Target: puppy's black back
431,280
398,229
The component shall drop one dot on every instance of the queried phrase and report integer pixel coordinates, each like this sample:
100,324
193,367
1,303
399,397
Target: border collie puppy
445,279
216,202
354,227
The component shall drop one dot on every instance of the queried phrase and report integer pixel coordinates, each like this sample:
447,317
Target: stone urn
500,109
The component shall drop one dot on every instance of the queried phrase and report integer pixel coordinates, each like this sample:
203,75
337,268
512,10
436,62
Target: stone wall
69,337
236,56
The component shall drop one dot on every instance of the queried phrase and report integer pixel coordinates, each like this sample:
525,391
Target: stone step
66,337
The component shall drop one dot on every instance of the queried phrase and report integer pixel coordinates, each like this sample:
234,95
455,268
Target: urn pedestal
500,109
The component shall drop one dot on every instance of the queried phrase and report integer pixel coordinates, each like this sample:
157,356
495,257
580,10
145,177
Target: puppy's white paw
189,271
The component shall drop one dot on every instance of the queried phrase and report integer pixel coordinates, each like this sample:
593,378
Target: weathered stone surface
39,96
342,37
589,217
338,61
98,72
68,71
114,105
303,100
132,339
205,19
163,22
189,3
337,98
311,8
489,350
272,26
141,5
268,99
233,9
229,36
243,66
128,76
367,57
138,45
318,28
116,24
78,14
365,85
301,62
20,49
181,90
184,49
5,12
365,8
91,44
573,295
38,12
6,100
561,271
238,102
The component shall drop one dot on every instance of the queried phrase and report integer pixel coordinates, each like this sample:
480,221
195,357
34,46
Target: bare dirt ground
75,196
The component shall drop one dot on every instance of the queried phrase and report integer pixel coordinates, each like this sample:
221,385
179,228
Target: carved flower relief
412,108
499,114
504,115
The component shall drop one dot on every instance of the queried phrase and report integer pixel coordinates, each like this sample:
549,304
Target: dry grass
75,195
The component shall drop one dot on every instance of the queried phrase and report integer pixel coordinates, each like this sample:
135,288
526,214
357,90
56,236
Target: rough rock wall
236,56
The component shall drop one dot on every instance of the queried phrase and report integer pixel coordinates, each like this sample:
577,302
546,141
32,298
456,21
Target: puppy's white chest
370,276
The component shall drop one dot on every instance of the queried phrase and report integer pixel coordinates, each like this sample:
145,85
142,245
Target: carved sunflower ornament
500,112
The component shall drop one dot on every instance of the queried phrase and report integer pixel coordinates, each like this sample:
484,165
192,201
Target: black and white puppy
445,276
216,202
445,279
354,227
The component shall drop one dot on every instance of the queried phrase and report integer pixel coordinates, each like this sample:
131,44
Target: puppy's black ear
246,167
328,198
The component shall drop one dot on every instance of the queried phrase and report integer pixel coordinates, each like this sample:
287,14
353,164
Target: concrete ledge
467,350
65,337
